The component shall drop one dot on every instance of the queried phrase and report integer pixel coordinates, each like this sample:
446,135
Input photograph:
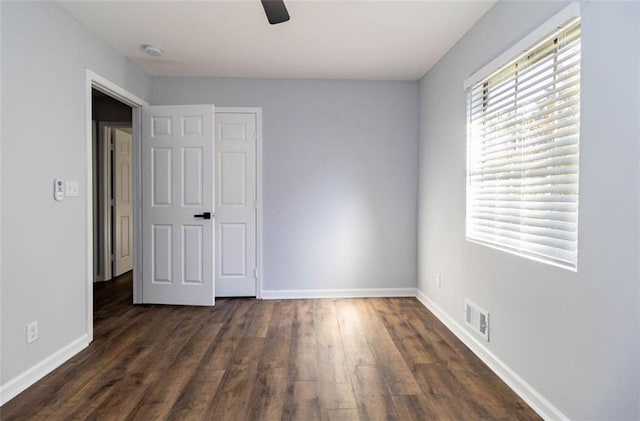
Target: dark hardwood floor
246,359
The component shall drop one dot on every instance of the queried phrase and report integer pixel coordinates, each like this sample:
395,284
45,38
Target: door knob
205,215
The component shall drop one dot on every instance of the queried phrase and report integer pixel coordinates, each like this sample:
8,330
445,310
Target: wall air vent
476,318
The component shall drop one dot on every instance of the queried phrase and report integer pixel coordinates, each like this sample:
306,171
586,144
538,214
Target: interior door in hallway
236,139
177,205
123,207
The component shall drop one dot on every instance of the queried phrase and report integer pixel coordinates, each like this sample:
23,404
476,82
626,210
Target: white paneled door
123,170
178,205
236,136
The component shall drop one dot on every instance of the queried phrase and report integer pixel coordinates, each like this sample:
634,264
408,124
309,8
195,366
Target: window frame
567,17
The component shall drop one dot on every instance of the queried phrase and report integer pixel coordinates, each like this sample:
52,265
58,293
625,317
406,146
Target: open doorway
190,124
123,121
112,143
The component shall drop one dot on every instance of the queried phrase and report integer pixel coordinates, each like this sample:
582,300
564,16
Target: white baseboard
338,293
28,377
532,397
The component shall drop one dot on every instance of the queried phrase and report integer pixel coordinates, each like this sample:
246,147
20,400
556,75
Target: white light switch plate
73,188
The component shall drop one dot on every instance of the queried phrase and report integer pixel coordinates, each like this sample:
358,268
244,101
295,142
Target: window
523,142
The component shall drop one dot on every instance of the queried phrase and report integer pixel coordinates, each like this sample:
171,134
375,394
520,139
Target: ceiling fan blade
275,10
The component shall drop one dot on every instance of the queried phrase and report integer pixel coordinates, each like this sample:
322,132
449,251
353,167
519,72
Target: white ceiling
375,40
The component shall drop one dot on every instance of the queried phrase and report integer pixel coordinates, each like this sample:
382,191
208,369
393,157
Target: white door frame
94,80
258,112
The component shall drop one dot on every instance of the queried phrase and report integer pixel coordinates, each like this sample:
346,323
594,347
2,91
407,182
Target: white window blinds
523,138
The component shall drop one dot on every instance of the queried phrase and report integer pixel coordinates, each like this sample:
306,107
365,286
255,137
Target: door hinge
113,257
255,273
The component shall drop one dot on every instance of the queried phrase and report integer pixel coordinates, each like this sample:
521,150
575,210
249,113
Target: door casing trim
102,84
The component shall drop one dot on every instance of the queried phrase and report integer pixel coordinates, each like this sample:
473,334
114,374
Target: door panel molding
177,199
257,111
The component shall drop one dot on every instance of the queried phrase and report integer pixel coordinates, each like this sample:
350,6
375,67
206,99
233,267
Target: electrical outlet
438,280
32,331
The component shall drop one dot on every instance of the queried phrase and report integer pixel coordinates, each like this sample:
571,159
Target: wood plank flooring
246,359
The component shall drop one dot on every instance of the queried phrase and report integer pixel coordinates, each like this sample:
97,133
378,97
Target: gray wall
574,337
44,56
339,179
